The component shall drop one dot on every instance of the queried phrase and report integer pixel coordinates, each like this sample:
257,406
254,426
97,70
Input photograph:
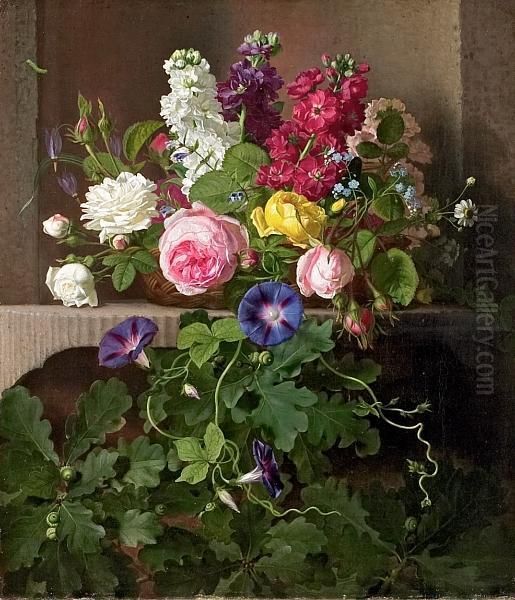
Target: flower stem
222,377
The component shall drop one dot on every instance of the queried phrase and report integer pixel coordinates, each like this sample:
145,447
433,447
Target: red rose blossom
304,83
318,111
314,178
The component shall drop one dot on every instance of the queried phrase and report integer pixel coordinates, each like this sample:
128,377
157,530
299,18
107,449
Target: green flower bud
254,358
67,473
266,358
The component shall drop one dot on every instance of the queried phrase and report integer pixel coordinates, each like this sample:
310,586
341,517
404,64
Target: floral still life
230,486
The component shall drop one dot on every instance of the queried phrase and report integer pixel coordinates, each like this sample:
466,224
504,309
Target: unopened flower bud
411,524
382,303
68,183
266,358
53,143
227,499
249,258
326,59
338,206
119,242
190,391
471,180
57,226
159,144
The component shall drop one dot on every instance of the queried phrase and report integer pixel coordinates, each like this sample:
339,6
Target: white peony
120,205
73,284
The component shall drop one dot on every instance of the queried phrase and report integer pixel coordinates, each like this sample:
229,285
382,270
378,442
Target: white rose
57,226
122,205
73,284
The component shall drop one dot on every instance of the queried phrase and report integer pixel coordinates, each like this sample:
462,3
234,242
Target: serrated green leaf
284,565
190,577
138,527
391,228
242,162
369,150
27,474
214,189
228,330
22,541
309,461
447,574
146,461
181,498
144,262
6,498
115,259
76,525
136,135
173,546
123,276
99,412
97,467
214,442
279,410
196,333
98,577
306,345
365,245
364,369
299,535
116,504
216,525
391,128
226,551
60,570
250,526
20,422
394,273
194,473
111,164
173,461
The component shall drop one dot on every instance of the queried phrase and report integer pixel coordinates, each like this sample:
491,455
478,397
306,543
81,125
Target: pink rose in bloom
314,178
304,83
324,271
318,111
199,249
277,175
159,143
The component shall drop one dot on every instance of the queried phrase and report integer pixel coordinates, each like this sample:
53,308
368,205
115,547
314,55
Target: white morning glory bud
227,499
190,391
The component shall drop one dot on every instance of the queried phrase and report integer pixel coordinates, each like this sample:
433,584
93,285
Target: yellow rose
292,215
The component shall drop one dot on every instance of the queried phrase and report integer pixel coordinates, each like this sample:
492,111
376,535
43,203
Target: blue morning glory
270,313
266,471
125,343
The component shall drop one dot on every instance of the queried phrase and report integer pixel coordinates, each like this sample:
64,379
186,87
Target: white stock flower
73,284
120,205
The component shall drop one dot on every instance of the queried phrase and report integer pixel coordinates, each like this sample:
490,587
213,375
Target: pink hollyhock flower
354,88
314,178
159,143
277,175
324,271
199,249
304,83
287,142
318,111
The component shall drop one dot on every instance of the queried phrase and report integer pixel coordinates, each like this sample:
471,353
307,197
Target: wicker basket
161,291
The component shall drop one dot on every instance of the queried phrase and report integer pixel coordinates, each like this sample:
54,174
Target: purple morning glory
266,471
125,343
53,143
68,183
270,313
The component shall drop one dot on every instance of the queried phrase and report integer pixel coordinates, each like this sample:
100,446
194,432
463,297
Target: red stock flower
277,175
354,88
304,83
353,115
287,141
318,111
314,178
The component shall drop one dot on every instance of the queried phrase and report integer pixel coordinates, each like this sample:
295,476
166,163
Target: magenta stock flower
266,471
125,343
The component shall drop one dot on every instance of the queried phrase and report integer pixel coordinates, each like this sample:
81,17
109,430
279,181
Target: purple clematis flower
53,143
125,343
266,471
270,313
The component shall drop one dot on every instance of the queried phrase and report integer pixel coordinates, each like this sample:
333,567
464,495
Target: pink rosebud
249,258
120,242
160,143
359,321
57,226
82,125
324,271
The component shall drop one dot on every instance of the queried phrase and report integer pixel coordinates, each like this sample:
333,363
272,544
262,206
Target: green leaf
216,525
398,151
365,369
305,346
112,165
20,422
181,499
228,330
190,577
309,461
136,135
115,259
28,473
76,525
242,162
447,574
98,577
214,441
214,189
394,273
150,237
387,514
369,150
299,535
144,262
201,353
174,545
194,473
190,450
284,565
97,467
196,333
391,128
123,276
138,527
389,207
6,498
391,228
365,247
116,504
146,461
279,410
24,537
99,411
60,570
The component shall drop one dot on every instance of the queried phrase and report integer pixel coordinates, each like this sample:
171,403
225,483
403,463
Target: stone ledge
29,334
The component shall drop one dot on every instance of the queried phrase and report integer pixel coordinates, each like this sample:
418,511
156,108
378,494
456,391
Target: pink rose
199,249
159,143
324,272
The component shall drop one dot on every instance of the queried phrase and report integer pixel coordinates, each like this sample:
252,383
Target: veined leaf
23,539
214,190
242,162
394,273
97,467
136,135
138,527
76,525
146,461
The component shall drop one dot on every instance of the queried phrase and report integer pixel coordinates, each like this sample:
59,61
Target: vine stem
156,426
270,507
222,377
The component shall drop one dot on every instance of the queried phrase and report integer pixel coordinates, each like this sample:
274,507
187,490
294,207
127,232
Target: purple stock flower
244,83
266,471
270,313
68,183
53,142
255,48
125,343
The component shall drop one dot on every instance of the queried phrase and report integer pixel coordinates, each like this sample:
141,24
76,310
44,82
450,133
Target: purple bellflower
270,313
68,183
266,471
53,143
125,343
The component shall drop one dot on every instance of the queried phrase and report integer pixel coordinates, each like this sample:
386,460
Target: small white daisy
466,213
